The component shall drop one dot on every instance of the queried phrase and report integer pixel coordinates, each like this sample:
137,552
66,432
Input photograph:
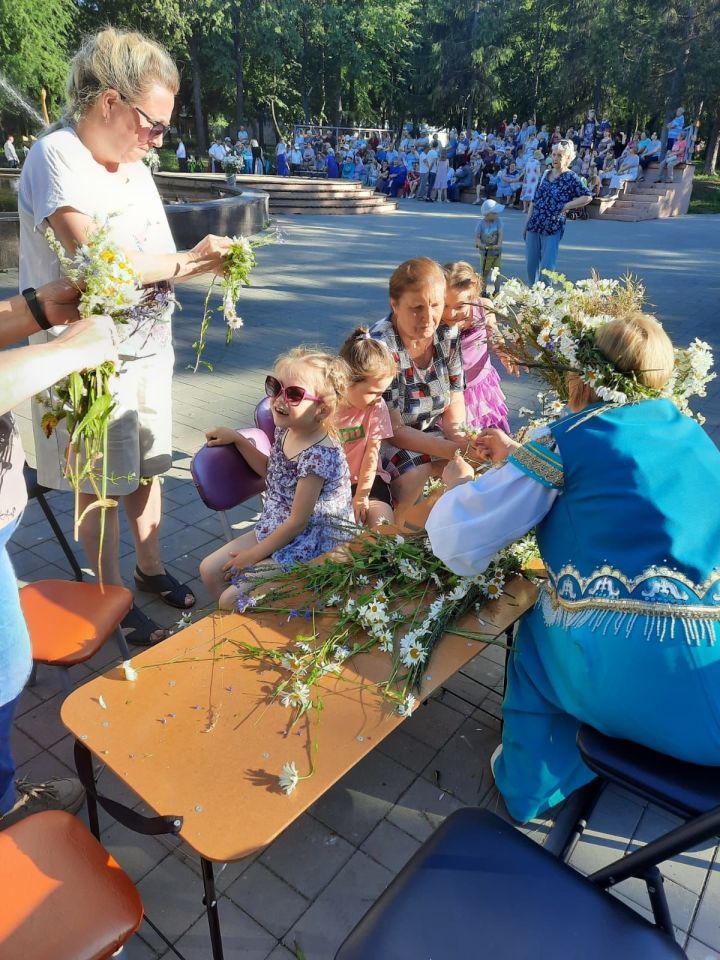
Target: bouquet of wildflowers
152,160
232,164
388,593
551,328
239,262
109,286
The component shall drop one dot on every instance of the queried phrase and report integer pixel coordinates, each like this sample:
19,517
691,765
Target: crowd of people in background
507,163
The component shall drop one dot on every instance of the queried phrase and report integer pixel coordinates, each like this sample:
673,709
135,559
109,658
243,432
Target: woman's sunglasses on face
291,395
157,127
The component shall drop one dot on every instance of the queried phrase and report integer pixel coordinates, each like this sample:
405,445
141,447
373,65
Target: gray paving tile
689,869
360,800
323,927
172,896
433,723
486,671
491,705
242,937
28,565
390,846
406,750
422,809
462,766
267,899
612,823
307,855
136,853
683,903
23,747
707,922
282,953
696,950
43,723
137,949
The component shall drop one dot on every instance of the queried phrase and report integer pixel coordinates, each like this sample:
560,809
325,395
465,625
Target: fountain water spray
17,98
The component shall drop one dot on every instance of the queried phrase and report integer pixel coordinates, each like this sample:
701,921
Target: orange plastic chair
68,621
63,895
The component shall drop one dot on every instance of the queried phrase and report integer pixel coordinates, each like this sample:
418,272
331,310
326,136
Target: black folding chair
480,888
37,492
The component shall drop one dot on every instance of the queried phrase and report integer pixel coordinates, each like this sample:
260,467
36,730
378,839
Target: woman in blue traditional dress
623,497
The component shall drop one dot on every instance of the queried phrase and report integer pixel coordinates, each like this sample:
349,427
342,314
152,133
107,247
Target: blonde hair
366,357
411,274
121,60
636,342
330,375
461,276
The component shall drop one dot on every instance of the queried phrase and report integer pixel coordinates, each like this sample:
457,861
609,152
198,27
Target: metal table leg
210,901
86,772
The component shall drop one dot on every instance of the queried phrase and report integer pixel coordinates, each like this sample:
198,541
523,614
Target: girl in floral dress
465,309
307,500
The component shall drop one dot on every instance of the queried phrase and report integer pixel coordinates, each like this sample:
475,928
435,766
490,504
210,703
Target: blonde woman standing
559,190
84,171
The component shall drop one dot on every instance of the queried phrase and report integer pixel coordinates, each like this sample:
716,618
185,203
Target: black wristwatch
35,309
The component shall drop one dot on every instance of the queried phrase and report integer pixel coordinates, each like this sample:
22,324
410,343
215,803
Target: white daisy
289,777
413,654
406,708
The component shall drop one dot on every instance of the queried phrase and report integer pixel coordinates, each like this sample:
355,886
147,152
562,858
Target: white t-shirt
181,152
423,161
432,159
60,172
218,152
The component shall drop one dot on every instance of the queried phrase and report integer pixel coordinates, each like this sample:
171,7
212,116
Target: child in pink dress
471,314
362,422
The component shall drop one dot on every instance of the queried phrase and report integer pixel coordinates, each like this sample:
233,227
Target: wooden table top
197,736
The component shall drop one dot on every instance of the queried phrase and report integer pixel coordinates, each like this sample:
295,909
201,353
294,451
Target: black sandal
138,629
165,586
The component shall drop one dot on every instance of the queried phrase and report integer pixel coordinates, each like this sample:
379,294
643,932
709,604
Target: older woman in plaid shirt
425,399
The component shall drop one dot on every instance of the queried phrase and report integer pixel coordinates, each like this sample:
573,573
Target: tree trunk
711,151
597,95
194,46
473,69
306,87
239,52
678,76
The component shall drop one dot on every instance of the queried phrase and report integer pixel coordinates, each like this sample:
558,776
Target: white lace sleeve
469,524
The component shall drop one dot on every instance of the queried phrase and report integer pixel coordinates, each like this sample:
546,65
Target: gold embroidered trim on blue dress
542,464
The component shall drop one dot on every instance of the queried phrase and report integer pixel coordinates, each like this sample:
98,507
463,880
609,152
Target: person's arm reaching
256,459
72,229
26,371
58,301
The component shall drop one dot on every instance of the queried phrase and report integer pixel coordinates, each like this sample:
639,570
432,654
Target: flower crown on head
551,328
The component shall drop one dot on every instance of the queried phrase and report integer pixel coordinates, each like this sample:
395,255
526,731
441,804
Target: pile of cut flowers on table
385,592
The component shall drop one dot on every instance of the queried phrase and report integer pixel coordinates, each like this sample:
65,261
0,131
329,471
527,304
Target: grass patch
706,194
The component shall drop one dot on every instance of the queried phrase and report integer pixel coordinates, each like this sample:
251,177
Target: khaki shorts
140,433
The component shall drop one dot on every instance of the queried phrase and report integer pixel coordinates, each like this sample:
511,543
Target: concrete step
341,210
321,202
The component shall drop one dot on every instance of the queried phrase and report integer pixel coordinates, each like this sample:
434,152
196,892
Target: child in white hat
488,240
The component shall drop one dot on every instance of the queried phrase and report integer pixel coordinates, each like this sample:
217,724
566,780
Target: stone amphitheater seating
303,194
648,199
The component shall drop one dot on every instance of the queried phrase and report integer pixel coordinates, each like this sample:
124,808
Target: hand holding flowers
457,471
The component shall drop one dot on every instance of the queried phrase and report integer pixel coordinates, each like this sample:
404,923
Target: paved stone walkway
313,883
